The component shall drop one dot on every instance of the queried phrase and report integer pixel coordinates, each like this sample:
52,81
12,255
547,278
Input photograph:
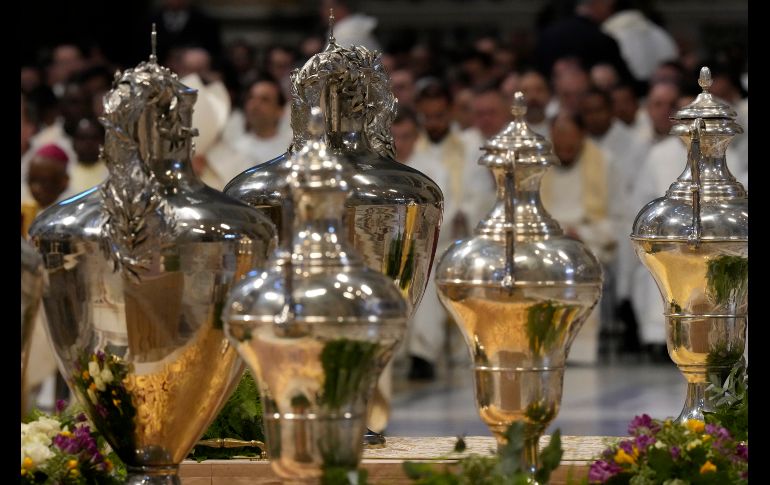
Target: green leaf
550,458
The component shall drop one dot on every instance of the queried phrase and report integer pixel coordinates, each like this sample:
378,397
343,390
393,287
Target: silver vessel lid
718,116
706,202
519,140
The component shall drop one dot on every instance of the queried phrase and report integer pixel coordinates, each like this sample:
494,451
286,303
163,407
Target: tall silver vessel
32,284
519,289
394,212
139,270
316,326
694,241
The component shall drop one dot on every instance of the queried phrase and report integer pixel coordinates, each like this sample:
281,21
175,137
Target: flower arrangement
665,452
64,450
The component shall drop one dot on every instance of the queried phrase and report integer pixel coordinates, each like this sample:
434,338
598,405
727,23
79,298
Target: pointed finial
705,79
332,40
519,107
316,123
153,44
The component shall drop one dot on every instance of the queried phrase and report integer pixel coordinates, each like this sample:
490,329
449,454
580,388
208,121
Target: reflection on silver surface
316,327
694,241
519,290
139,269
32,283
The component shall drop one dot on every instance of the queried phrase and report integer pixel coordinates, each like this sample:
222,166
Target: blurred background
601,78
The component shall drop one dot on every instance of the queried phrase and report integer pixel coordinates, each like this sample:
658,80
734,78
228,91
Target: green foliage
727,278
505,468
346,363
240,418
732,401
393,261
546,323
343,476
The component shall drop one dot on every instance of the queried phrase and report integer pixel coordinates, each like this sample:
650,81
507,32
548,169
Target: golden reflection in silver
705,299
309,426
518,342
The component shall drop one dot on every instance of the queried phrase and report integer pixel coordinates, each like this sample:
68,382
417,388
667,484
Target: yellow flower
66,434
72,464
708,467
92,386
116,402
23,472
74,472
706,437
108,464
696,425
622,457
27,463
86,375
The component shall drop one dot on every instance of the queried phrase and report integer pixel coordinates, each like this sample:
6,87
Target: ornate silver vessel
519,290
317,326
139,270
394,212
694,241
32,281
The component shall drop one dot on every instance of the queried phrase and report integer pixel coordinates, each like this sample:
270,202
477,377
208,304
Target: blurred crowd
600,81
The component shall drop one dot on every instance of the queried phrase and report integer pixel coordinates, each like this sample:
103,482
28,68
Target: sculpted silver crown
139,269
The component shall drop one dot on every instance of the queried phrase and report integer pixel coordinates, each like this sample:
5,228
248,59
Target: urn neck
530,219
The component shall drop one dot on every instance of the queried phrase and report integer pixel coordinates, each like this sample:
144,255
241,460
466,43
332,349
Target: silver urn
316,326
519,290
694,241
139,270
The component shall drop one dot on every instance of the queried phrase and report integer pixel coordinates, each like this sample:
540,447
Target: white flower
106,375
46,426
93,368
692,444
37,452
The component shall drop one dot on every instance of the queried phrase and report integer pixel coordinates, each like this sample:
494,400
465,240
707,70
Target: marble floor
598,399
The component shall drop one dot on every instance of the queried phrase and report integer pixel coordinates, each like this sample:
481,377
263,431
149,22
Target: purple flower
742,451
675,452
602,470
627,446
718,432
100,355
101,410
61,404
644,441
643,421
81,417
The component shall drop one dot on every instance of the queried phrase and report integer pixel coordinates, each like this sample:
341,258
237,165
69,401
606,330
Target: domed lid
525,145
719,117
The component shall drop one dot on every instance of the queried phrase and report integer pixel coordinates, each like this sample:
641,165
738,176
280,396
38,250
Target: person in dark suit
179,24
580,36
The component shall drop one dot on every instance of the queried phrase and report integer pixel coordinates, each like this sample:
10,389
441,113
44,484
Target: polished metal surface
316,326
519,290
32,284
694,241
394,212
139,270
